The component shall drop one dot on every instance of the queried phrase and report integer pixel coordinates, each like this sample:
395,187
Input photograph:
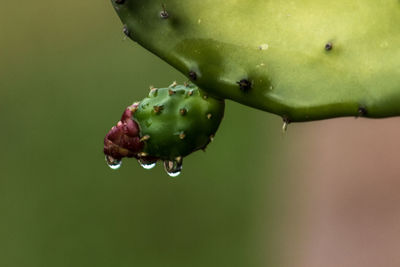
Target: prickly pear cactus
303,60
167,125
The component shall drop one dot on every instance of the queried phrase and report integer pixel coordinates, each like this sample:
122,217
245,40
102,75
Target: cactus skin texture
167,125
303,60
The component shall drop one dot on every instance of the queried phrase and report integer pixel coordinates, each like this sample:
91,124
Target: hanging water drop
147,164
173,167
113,163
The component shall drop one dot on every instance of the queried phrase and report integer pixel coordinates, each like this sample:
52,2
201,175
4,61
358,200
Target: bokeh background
323,194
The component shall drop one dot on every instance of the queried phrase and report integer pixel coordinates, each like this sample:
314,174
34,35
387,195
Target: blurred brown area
346,211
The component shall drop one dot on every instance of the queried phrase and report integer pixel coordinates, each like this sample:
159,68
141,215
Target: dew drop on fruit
113,163
173,167
146,164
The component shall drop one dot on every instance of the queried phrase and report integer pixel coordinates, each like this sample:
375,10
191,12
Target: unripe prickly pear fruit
167,125
177,120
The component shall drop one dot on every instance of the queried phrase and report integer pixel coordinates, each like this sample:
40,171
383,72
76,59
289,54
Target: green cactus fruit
177,120
167,125
303,60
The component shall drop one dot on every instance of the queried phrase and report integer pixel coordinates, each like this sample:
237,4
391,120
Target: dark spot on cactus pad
244,85
182,135
286,119
171,92
126,31
328,46
164,14
192,75
153,92
119,2
158,109
182,111
362,111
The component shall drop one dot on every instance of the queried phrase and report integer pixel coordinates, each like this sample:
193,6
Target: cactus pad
303,60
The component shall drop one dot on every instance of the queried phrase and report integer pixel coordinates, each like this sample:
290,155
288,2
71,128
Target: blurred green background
66,75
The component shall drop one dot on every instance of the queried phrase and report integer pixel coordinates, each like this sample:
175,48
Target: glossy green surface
280,47
178,120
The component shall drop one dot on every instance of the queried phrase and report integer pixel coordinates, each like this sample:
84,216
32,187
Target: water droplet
147,164
173,167
113,163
